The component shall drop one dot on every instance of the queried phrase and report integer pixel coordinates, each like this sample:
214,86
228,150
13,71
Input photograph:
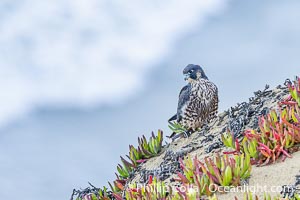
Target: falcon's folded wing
184,97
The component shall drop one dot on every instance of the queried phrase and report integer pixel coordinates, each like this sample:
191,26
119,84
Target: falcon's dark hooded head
194,72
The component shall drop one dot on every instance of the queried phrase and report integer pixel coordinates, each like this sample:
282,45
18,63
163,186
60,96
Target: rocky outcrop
208,140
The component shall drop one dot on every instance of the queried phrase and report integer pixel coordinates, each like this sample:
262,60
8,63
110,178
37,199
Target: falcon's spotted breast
198,100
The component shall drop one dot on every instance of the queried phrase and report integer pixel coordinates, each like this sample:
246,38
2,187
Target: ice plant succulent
153,147
250,146
135,155
155,189
117,188
230,141
278,135
193,175
126,169
223,170
295,90
176,127
227,170
138,155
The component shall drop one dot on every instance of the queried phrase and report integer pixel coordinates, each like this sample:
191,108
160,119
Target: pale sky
81,80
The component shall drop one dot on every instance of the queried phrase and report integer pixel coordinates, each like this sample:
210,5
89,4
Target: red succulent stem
289,124
265,147
290,103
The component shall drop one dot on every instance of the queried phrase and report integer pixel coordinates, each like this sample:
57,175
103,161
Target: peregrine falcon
198,100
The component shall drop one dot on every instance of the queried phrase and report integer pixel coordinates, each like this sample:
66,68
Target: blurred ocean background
80,80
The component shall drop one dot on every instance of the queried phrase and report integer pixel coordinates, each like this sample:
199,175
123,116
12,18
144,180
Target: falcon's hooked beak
190,76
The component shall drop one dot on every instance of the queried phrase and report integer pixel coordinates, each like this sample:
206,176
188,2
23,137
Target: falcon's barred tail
173,118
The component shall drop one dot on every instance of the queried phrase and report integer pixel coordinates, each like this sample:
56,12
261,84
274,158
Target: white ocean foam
86,52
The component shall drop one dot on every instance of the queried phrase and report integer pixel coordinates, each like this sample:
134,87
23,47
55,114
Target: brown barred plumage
198,100
202,105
